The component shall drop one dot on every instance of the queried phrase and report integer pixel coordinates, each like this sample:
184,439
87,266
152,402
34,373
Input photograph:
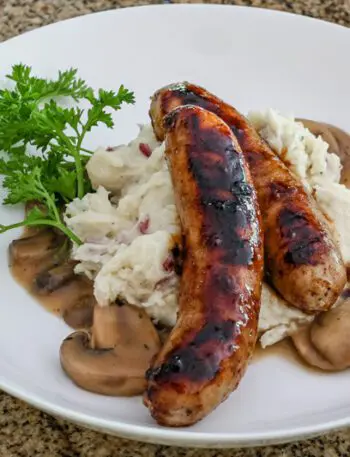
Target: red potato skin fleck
145,149
144,225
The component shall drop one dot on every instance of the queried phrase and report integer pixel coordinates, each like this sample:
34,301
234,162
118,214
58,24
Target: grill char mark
301,241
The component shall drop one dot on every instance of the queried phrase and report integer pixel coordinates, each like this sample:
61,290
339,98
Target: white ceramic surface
252,58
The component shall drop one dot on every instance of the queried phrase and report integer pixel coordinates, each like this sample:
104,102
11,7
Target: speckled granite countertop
17,16
26,432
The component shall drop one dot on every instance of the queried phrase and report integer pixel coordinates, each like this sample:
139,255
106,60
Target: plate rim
171,436
128,9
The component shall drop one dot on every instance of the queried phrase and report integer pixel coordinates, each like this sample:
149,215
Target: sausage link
302,261
208,350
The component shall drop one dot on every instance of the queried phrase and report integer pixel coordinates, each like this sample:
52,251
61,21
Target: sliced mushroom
308,352
113,359
36,247
54,278
80,316
30,255
330,334
326,343
73,294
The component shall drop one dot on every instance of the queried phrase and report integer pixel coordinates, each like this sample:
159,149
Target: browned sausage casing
207,352
302,260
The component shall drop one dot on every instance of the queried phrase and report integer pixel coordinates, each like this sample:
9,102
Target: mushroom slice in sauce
35,253
80,316
325,343
330,332
76,293
54,278
308,352
40,262
36,247
113,358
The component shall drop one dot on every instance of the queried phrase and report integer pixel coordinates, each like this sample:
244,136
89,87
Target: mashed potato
306,155
129,225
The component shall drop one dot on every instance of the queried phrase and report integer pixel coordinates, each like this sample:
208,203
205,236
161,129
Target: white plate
252,58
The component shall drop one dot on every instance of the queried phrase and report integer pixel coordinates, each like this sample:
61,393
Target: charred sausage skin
208,350
302,261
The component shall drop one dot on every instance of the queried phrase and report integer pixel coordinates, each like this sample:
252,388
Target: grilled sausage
208,350
302,261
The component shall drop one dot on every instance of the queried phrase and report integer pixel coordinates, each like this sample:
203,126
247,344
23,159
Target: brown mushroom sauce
39,261
107,355
114,345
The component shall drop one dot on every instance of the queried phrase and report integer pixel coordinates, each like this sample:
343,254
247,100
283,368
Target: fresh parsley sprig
33,116
30,187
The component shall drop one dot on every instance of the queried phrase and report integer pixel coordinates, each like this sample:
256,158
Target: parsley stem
75,152
60,226
88,151
80,175
78,164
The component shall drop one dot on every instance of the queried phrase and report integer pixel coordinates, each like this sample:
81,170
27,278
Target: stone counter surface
26,432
